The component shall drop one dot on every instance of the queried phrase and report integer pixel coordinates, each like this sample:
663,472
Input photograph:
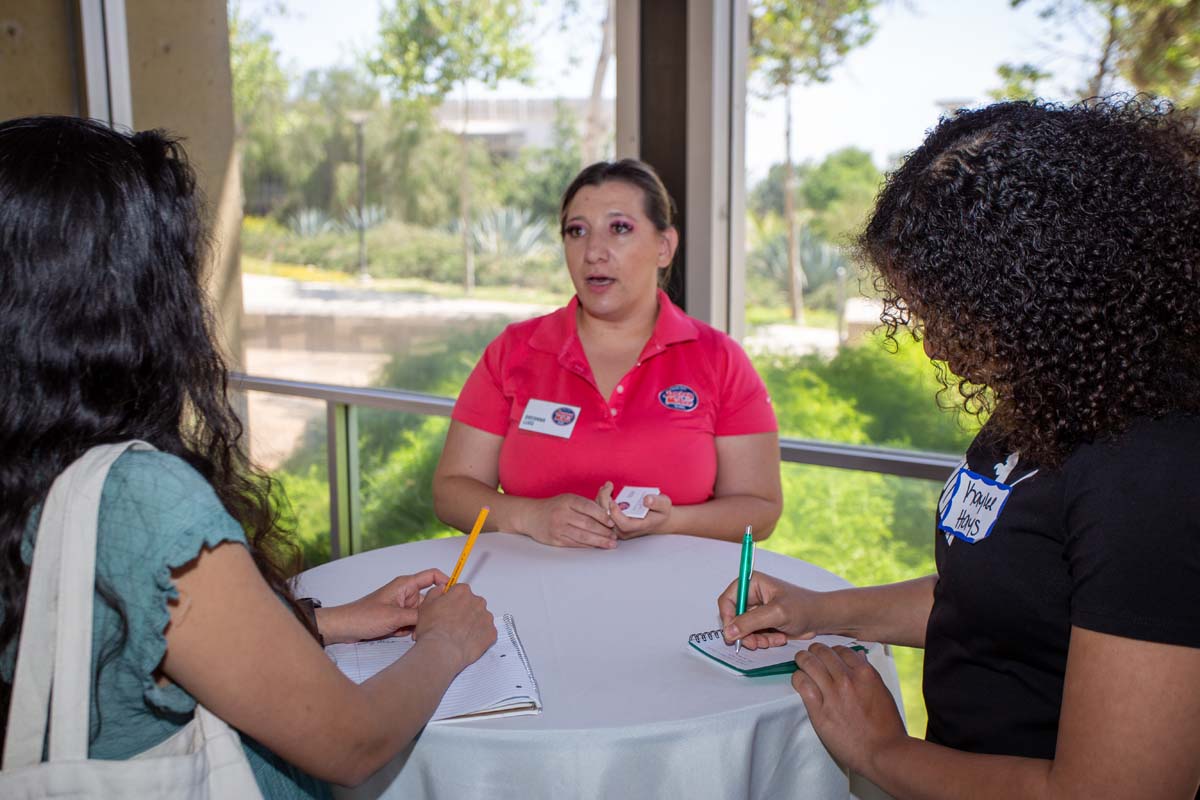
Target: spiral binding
510,628
705,636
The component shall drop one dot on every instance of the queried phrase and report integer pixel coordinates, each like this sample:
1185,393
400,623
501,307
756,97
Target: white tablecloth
630,710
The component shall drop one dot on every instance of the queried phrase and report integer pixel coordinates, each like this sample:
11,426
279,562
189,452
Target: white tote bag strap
55,648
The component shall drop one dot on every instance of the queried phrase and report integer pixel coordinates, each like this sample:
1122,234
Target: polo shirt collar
557,333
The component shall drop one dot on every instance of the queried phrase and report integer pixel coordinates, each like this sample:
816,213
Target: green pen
744,572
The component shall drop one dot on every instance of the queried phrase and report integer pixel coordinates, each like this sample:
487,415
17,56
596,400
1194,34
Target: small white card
631,500
974,505
552,419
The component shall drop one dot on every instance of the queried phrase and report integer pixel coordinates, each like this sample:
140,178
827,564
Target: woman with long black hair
107,337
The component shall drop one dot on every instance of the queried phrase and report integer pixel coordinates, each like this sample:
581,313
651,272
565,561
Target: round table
629,709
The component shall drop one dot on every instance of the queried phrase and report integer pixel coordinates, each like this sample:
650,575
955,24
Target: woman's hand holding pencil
466,551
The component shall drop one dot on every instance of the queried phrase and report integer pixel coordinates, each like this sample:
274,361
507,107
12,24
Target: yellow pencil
466,551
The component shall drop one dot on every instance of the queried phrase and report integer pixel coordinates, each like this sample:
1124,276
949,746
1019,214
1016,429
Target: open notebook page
499,683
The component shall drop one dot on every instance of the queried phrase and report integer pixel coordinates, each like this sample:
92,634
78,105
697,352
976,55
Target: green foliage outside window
868,528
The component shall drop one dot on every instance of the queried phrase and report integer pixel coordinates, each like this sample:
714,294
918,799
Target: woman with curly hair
1050,256
106,339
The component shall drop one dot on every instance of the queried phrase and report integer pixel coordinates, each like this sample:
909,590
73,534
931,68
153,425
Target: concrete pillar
180,80
37,59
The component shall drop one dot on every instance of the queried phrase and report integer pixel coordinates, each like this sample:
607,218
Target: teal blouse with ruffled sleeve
156,514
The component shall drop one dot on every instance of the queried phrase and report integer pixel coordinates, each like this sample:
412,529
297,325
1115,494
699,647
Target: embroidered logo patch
679,398
563,416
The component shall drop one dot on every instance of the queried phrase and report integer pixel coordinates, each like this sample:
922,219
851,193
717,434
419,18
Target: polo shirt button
620,390
612,411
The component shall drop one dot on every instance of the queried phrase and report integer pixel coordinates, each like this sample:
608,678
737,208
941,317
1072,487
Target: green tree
840,192
320,138
799,43
1152,45
1161,49
537,177
259,96
429,48
1019,82
767,268
833,198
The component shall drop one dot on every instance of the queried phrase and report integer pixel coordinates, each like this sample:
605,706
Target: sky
882,99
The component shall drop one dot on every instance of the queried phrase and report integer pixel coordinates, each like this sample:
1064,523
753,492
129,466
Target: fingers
824,665
625,527
592,511
808,690
586,534
824,674
406,618
459,618
426,578
727,604
588,526
755,620
761,640
604,496
657,502
658,511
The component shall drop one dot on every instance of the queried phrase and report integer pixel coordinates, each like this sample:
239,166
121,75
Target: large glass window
867,528
838,92
401,166
287,438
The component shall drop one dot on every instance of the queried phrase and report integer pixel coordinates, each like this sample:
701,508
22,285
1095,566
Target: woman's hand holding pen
458,622
569,520
390,610
776,611
658,513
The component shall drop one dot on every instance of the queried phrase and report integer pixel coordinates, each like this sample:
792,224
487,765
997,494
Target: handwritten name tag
974,505
552,419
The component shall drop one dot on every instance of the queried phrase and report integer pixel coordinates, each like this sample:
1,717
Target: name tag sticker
974,505
552,419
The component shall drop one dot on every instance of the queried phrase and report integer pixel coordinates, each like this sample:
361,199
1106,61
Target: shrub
401,250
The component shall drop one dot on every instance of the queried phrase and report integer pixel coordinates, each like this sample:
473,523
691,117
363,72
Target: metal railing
342,403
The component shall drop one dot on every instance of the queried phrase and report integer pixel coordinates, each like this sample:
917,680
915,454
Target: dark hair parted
1051,254
657,202
106,331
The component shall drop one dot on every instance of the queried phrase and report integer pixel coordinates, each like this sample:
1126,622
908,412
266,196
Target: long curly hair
107,334
1051,255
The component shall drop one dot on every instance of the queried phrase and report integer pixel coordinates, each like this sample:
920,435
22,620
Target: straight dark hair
657,202
107,334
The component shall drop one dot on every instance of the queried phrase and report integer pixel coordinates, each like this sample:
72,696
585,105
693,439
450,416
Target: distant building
507,124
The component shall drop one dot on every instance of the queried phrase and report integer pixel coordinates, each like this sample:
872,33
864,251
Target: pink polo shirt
691,384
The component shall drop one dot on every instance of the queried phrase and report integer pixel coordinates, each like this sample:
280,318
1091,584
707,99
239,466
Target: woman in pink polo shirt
618,389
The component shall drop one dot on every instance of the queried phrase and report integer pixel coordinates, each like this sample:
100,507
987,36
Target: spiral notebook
499,684
764,661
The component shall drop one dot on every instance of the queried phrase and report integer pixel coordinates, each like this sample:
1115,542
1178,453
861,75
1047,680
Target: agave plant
372,216
819,260
509,232
310,222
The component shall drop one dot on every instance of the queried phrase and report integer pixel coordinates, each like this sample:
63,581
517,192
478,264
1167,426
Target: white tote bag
204,759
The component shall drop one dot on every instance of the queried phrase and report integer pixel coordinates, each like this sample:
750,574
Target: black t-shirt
1109,542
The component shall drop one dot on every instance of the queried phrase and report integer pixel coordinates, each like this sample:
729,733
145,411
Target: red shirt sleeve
482,402
745,405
